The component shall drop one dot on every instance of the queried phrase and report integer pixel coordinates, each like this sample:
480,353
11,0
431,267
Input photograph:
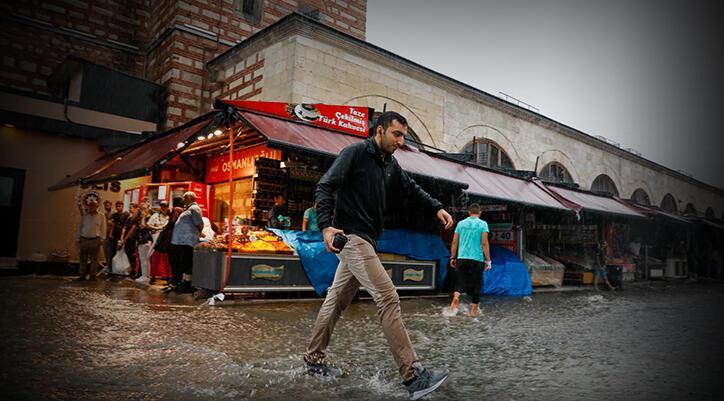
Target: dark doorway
11,198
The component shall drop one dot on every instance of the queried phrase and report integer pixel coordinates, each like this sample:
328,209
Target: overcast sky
646,74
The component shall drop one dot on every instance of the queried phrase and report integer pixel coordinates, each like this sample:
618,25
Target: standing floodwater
111,341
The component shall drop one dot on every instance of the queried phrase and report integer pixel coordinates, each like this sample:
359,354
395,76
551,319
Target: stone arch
489,142
669,204
602,169
634,185
641,197
556,168
491,133
604,183
709,214
690,209
416,123
560,157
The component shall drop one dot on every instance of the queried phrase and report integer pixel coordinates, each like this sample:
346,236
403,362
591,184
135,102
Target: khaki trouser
359,265
89,249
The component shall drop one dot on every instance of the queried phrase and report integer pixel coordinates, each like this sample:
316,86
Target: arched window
668,204
710,213
489,154
690,209
555,172
604,184
641,197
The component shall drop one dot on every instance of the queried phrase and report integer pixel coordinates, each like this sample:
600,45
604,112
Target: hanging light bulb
218,132
200,137
180,145
211,135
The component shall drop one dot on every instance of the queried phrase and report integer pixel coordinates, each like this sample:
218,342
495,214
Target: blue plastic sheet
321,265
508,276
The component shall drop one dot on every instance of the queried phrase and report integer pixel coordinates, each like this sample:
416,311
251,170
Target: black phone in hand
340,240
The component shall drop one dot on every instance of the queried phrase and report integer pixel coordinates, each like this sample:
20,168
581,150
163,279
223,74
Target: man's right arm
329,183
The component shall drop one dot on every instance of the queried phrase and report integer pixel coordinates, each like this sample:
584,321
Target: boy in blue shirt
469,245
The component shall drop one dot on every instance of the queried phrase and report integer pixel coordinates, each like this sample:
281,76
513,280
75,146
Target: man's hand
445,218
488,265
328,234
453,262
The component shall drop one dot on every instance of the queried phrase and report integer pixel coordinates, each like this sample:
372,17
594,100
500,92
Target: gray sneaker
425,382
316,368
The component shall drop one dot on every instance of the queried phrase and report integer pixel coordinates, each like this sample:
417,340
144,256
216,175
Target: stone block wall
448,116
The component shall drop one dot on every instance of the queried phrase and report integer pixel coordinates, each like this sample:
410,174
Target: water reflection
110,341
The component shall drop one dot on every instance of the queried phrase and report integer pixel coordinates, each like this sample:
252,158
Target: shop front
239,160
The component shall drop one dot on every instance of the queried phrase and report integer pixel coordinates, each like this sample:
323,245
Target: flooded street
111,341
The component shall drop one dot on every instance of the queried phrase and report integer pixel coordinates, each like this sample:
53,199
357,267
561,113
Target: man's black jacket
365,180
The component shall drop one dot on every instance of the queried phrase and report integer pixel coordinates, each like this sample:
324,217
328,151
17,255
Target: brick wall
74,27
172,39
243,80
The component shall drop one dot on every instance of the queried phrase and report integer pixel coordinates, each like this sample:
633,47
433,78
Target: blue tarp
508,276
321,265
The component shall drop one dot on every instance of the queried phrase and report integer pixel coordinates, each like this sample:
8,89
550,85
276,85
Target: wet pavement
63,340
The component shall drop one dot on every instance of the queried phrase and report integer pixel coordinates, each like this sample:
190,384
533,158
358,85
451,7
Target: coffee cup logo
306,112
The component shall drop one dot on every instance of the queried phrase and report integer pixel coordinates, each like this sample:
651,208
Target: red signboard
217,167
350,119
202,198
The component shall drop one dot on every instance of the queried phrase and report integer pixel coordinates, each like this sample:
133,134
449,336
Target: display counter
259,272
263,261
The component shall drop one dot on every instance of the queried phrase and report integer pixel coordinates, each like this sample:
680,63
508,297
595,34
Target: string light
218,132
201,137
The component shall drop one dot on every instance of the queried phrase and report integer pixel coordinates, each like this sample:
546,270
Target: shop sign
493,208
504,235
202,198
266,272
217,167
413,275
350,119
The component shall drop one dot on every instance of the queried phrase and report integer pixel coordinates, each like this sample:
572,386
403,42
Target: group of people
157,242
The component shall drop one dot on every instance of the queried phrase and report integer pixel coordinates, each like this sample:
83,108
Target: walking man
469,245
91,233
365,178
600,267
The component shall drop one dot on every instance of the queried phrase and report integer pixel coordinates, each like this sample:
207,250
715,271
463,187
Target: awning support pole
230,225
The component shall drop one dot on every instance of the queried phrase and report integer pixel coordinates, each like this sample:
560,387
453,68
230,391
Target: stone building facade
306,62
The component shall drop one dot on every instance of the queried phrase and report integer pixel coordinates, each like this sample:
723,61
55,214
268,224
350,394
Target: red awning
480,182
136,160
500,186
285,133
595,203
656,213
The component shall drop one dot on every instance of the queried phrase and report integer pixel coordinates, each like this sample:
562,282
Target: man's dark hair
385,120
177,202
119,203
474,208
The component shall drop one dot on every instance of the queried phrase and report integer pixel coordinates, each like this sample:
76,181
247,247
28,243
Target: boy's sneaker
425,382
316,368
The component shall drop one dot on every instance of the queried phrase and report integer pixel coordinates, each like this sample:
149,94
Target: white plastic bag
120,264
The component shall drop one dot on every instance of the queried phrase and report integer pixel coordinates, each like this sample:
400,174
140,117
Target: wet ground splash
62,340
